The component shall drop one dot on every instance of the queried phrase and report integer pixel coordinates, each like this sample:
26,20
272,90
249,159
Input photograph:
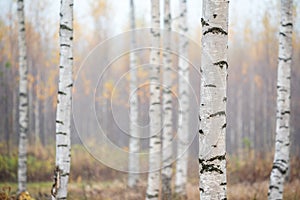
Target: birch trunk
282,143
167,136
134,139
155,108
23,101
63,112
183,96
212,150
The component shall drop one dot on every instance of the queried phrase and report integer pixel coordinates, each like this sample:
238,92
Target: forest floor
117,190
248,176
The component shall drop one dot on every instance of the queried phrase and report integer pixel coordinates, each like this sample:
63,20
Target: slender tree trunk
63,112
134,139
155,108
212,150
23,100
167,136
30,102
252,111
37,121
183,113
239,118
282,143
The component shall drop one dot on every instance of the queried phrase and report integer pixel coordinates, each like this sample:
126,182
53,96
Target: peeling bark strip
282,144
167,134
63,112
212,113
23,100
155,108
183,112
133,128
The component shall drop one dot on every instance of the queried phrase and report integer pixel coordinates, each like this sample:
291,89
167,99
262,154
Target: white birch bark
167,135
282,143
155,107
183,96
133,140
63,112
23,100
212,150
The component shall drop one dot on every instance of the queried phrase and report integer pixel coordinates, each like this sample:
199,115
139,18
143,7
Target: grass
247,178
117,190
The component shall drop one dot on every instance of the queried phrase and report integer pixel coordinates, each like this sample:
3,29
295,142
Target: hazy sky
241,11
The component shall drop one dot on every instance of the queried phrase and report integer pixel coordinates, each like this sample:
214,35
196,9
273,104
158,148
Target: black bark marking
283,127
210,167
222,157
201,132
210,85
61,133
215,15
284,59
224,126
62,26
285,112
59,122
215,30
274,187
201,189
65,45
287,24
62,145
62,93
24,104
276,166
223,183
65,174
71,85
283,34
283,90
157,142
217,114
221,64
204,23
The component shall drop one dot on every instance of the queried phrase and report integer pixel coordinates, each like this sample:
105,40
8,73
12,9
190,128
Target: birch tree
282,143
23,100
133,140
183,96
167,136
155,108
212,130
63,112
